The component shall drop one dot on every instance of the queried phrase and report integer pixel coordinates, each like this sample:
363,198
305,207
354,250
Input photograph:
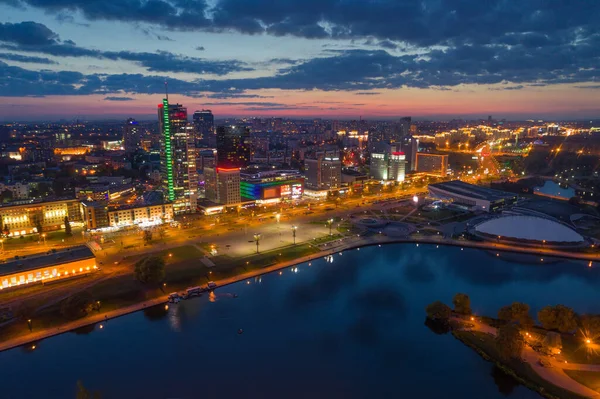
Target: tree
509,342
83,393
147,236
462,304
6,230
37,222
559,317
77,305
438,311
150,269
517,313
68,230
6,196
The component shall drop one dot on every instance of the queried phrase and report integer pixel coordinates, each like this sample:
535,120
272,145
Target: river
350,328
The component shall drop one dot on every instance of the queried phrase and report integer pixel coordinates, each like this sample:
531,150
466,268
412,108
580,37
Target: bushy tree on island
438,311
83,393
509,342
517,313
150,270
77,305
559,317
462,304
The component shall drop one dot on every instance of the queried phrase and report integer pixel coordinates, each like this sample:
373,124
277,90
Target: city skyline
324,59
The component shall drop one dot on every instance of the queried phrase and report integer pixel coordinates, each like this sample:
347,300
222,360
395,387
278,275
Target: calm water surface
553,188
353,328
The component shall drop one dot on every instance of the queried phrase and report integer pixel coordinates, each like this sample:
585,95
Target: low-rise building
141,215
475,197
45,267
21,219
433,164
273,185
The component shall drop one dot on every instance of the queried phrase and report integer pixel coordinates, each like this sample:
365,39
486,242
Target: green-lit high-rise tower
178,161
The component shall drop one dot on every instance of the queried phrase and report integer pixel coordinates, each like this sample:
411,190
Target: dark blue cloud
26,58
27,33
417,22
114,98
34,37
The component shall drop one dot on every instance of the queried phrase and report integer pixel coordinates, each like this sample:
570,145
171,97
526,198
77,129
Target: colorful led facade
291,188
168,150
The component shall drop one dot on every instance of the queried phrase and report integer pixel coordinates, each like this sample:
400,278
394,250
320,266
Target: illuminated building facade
222,185
145,215
22,219
323,171
272,186
178,159
43,268
434,164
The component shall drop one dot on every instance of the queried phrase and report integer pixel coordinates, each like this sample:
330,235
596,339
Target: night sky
330,58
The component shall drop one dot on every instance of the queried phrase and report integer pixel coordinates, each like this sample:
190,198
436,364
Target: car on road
211,285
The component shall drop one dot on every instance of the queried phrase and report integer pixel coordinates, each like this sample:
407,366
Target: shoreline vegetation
121,295
558,357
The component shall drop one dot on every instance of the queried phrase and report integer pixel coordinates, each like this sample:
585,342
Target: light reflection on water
354,328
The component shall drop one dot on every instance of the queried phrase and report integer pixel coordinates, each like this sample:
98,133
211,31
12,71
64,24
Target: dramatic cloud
417,22
27,34
25,58
34,37
118,99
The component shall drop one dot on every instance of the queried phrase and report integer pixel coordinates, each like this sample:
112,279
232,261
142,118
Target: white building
141,215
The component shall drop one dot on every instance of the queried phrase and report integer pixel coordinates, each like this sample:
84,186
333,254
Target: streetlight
330,222
278,217
2,242
257,240
44,237
294,233
29,324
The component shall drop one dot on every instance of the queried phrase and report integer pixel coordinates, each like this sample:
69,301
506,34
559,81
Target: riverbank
351,242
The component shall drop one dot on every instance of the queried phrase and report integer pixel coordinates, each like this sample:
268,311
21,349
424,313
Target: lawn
590,379
485,345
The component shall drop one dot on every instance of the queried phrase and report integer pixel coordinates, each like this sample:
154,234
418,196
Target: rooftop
37,261
461,188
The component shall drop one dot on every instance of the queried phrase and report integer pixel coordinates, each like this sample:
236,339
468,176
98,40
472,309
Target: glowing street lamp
416,200
257,240
330,222
294,228
278,217
44,237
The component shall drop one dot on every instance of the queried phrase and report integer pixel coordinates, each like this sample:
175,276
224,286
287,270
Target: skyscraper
233,151
131,135
178,163
204,122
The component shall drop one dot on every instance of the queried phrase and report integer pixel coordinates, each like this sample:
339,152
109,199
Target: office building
397,166
472,196
323,171
222,185
204,123
94,214
410,147
379,166
132,136
388,163
46,267
434,164
178,162
233,150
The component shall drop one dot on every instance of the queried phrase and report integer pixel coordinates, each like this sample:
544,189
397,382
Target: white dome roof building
530,228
